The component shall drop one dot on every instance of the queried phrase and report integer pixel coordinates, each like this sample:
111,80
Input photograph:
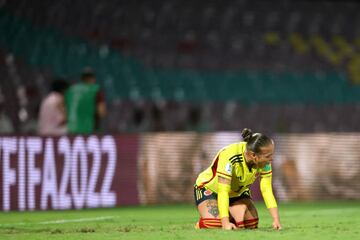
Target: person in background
85,105
195,120
52,117
6,126
222,191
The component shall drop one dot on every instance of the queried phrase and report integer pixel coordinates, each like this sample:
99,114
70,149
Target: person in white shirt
52,115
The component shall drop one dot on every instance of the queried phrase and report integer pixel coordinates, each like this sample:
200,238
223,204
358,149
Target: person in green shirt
85,105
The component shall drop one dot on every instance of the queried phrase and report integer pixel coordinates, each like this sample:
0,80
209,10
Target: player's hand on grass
276,219
226,224
276,225
229,226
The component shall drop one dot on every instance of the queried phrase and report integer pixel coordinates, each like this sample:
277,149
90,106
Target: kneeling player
223,188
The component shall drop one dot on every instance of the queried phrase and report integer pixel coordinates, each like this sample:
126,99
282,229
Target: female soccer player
223,188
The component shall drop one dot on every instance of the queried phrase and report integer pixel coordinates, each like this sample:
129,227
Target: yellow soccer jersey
230,163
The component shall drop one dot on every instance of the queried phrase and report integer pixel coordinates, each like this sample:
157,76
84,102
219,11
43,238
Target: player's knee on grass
248,223
204,223
209,215
240,224
251,223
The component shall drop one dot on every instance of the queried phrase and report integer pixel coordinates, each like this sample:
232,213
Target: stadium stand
164,59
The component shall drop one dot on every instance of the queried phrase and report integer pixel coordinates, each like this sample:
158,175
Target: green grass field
330,220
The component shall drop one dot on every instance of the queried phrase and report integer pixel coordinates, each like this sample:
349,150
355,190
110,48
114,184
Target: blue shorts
201,194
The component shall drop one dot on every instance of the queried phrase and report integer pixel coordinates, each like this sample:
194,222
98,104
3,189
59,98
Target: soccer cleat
197,226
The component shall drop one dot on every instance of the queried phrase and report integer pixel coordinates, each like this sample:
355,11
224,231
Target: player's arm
224,173
223,202
61,108
100,104
268,195
276,218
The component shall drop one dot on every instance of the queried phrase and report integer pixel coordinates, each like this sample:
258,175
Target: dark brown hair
87,73
255,141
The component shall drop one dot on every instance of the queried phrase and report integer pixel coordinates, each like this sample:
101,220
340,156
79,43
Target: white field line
60,221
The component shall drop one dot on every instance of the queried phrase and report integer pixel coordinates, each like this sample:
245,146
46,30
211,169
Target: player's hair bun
246,134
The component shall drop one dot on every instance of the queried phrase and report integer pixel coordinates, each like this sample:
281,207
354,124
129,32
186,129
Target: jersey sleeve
225,168
266,186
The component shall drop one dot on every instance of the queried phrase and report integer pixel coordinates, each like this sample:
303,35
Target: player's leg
237,211
251,218
206,202
243,211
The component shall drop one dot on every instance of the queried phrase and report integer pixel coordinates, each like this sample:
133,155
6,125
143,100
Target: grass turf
322,220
